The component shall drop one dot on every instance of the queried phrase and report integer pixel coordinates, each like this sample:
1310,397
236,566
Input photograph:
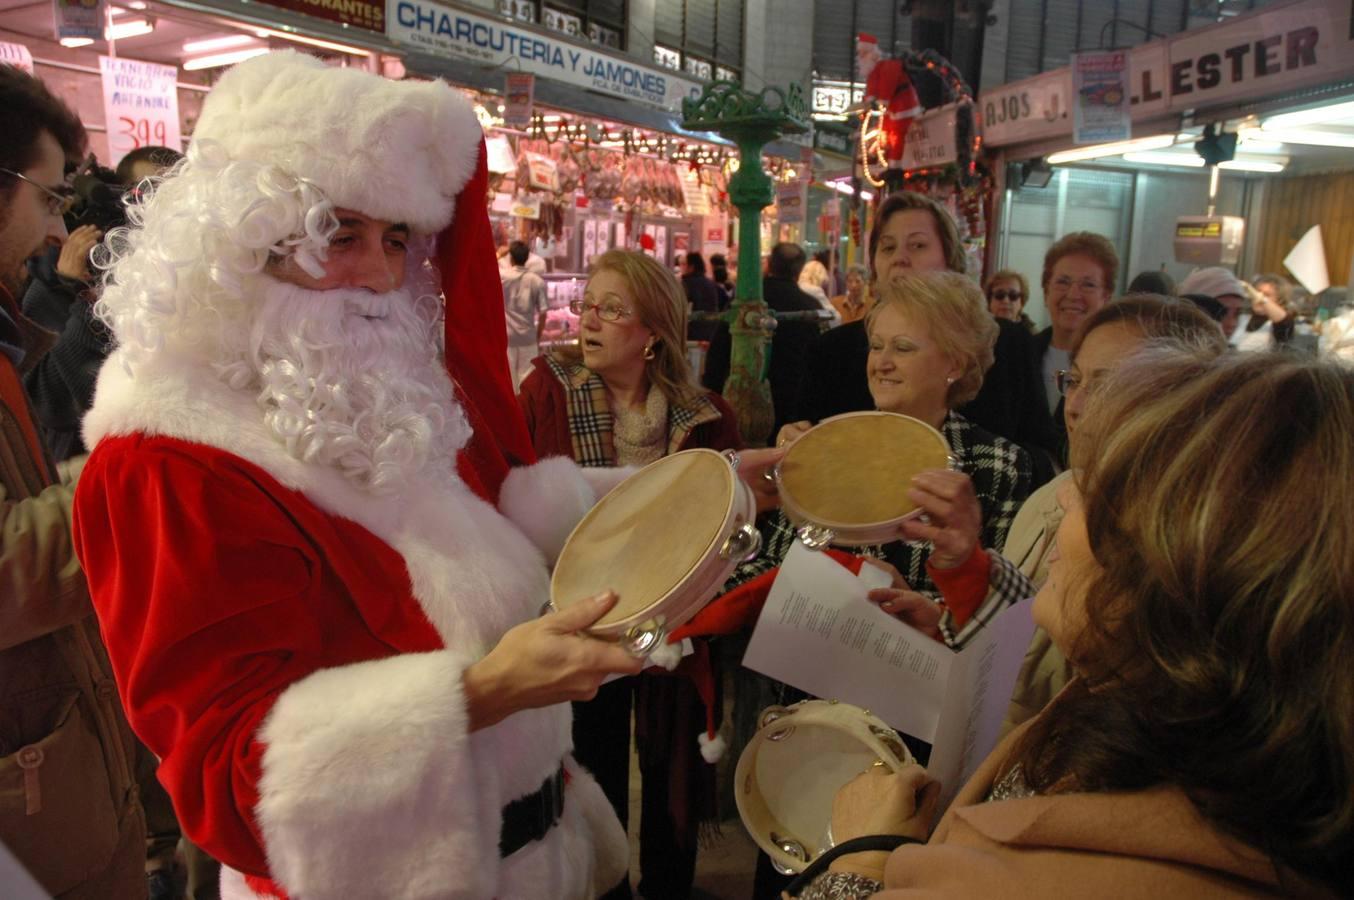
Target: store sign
518,94
440,29
931,140
1027,110
831,99
832,141
1265,53
78,19
369,14
1262,54
16,55
140,105
1101,112
791,202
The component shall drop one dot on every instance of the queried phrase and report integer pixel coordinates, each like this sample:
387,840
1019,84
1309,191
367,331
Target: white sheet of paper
819,633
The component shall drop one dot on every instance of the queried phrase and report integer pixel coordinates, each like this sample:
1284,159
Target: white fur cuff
548,499
368,786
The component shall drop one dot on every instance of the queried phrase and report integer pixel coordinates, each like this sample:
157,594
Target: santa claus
330,639
887,83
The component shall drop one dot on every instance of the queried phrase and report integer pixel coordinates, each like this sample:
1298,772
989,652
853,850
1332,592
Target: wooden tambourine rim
622,625
757,818
850,526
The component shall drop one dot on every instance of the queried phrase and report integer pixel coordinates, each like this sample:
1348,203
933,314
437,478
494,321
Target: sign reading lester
430,26
140,105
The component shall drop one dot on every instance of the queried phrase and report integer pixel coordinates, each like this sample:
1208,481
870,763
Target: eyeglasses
1003,294
607,311
1086,285
1069,381
58,202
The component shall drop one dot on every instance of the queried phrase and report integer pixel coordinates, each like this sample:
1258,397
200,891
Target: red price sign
142,133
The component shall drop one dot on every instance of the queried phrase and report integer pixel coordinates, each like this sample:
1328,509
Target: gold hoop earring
648,352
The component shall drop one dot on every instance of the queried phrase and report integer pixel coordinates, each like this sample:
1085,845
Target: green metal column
750,120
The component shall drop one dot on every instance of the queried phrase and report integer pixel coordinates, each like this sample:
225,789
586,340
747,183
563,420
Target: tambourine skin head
848,477
664,540
790,772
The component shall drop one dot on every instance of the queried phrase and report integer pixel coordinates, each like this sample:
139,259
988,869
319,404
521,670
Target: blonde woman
813,280
625,395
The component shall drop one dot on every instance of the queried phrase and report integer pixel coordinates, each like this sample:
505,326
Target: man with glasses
68,808
1080,272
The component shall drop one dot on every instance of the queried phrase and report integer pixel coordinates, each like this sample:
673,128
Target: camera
98,198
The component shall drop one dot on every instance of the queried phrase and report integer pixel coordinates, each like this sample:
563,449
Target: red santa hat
404,151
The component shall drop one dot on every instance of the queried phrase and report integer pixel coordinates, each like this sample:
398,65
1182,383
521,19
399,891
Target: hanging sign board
518,94
439,29
16,55
368,14
930,140
1027,110
1101,111
140,105
790,202
1265,53
78,19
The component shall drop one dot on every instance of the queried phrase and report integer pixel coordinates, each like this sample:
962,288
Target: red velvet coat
292,647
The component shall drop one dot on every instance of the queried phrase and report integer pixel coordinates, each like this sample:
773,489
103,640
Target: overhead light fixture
843,186
218,43
121,31
1036,173
313,42
216,60
1318,116
1253,141
76,42
1188,161
1314,137
1118,148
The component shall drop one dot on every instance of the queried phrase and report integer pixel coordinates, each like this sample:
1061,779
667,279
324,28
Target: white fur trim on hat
394,150
712,749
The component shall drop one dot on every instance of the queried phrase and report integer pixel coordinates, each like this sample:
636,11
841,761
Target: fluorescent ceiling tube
229,58
1312,136
1185,160
314,42
120,31
218,43
1096,151
1321,115
76,42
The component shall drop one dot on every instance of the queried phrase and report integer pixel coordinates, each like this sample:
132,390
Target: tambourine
845,481
789,773
665,540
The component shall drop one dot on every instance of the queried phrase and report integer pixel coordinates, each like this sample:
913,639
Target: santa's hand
544,662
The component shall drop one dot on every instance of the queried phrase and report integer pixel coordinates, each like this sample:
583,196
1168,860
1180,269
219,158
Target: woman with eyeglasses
626,396
1007,292
1080,272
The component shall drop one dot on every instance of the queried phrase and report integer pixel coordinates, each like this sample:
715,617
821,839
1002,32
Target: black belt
531,817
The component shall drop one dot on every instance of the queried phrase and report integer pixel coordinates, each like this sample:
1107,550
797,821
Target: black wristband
881,842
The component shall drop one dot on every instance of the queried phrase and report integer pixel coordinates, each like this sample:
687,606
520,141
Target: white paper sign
1307,262
140,105
16,55
1101,91
819,633
78,19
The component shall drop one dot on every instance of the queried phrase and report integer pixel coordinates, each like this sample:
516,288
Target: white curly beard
351,379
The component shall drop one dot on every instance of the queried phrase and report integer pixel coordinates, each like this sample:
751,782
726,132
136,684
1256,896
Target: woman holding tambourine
625,396
931,341
1200,586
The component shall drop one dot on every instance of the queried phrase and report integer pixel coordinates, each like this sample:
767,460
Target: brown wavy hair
950,243
660,304
1218,654
1086,243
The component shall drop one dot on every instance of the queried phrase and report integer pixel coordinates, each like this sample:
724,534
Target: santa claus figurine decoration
887,82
